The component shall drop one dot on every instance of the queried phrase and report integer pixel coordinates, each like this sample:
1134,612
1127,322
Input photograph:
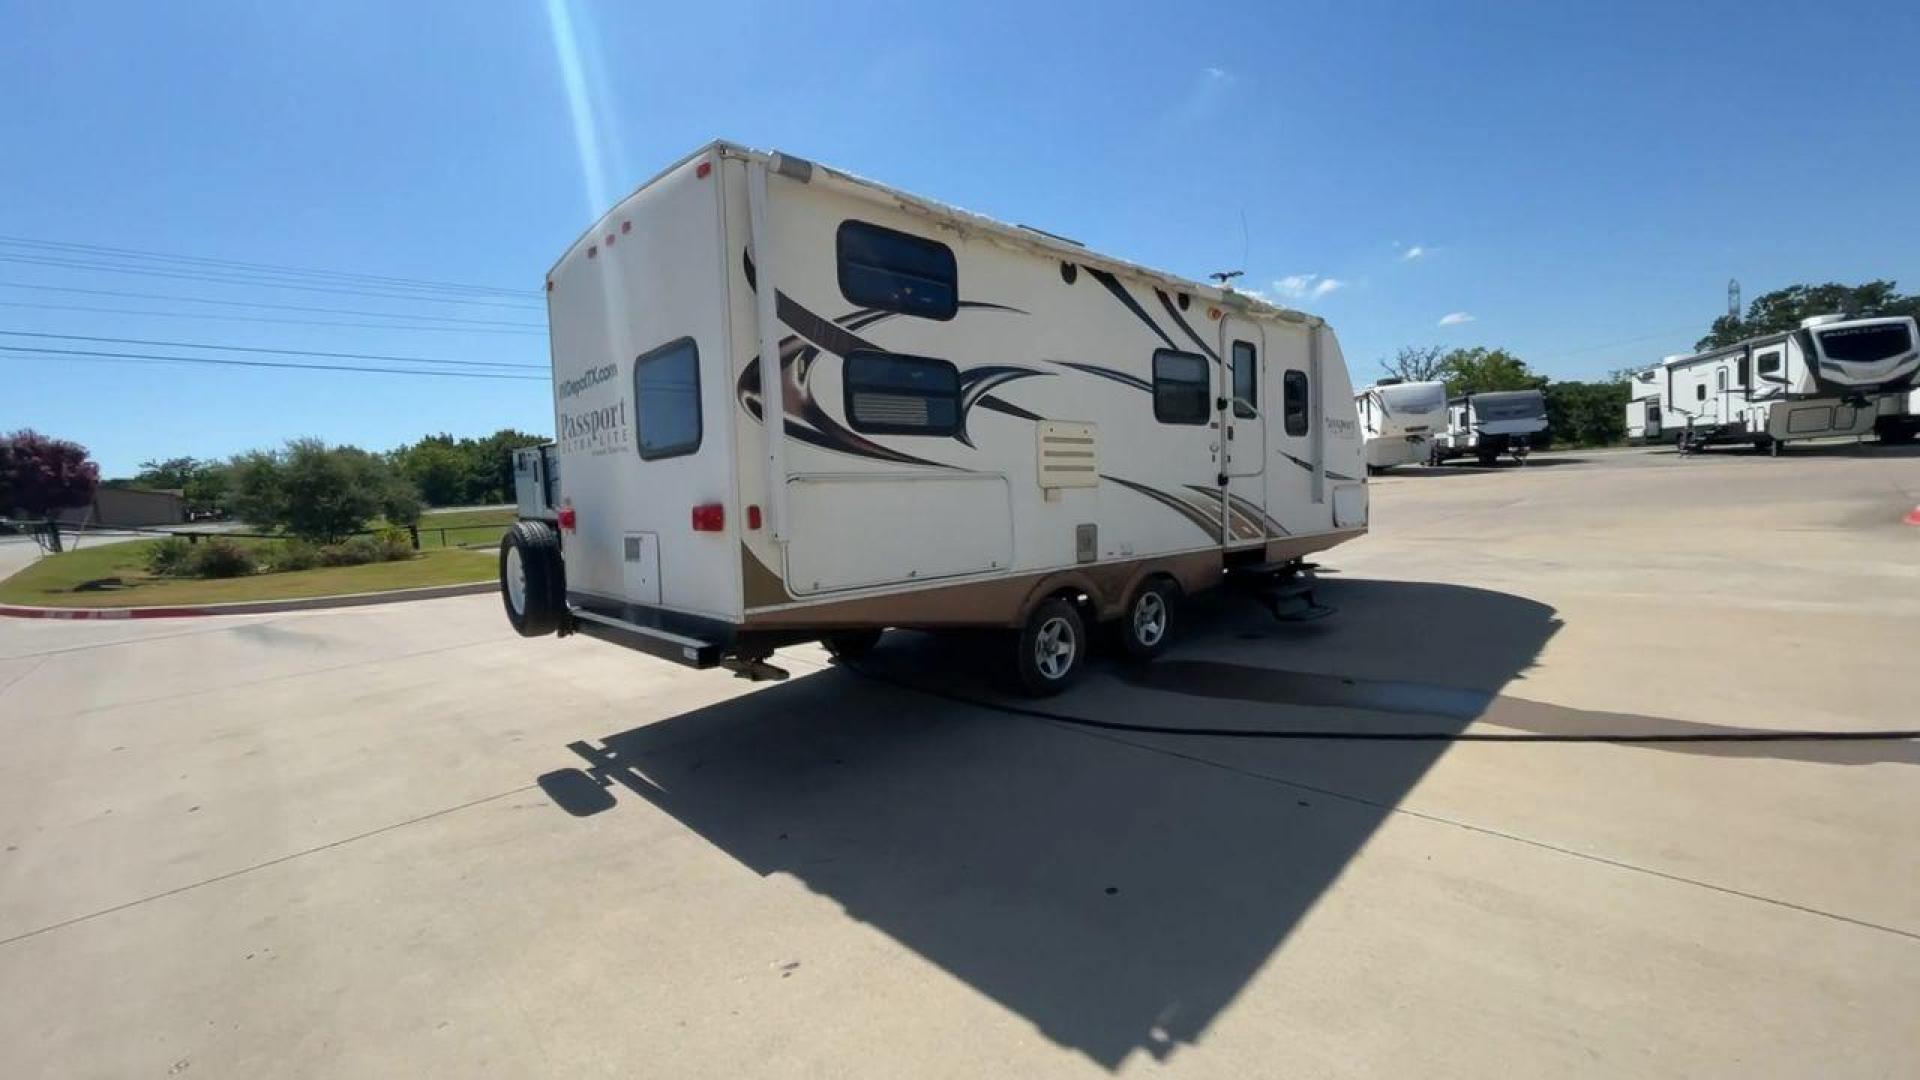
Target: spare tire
533,579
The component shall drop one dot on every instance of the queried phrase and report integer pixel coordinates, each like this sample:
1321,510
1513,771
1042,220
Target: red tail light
566,518
709,517
753,517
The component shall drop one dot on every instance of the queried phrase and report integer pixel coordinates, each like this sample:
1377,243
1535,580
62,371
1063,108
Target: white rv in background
1398,420
1645,424
976,425
1898,419
1489,424
1827,378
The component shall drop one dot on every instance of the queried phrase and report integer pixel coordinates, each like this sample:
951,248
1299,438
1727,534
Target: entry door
1244,429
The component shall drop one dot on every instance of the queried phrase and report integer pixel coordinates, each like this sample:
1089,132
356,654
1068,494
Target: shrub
396,545
294,555
221,557
318,492
168,558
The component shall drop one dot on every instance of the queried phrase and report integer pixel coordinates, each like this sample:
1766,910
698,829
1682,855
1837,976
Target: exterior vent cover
1068,454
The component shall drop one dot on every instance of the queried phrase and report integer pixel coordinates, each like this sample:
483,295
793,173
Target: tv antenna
1733,298
1221,277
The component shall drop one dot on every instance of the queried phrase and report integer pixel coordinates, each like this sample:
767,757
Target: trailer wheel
1488,461
1147,625
533,583
1051,649
850,644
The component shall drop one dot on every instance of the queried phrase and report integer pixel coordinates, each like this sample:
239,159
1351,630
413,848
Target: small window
1180,386
1769,363
1742,374
666,395
890,394
893,271
1293,392
1699,391
1720,380
1246,380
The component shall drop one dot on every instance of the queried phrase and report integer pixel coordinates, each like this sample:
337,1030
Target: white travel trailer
1825,378
980,425
1398,420
1899,416
536,482
1644,422
1489,424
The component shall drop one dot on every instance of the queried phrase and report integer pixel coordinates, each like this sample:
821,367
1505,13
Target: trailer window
1246,380
1699,391
1865,344
893,271
1769,363
1293,393
890,394
1720,380
1180,387
1741,375
666,397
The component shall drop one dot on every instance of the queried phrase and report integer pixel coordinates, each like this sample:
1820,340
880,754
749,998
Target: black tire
1052,627
850,644
530,552
1146,626
1899,436
1488,461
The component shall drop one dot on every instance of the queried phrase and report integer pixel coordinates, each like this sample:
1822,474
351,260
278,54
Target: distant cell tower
1733,298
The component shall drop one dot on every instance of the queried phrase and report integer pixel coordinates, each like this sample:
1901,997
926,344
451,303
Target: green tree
1478,370
206,490
169,474
320,493
1587,413
1783,309
440,470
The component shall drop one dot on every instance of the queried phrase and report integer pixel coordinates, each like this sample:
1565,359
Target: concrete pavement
377,842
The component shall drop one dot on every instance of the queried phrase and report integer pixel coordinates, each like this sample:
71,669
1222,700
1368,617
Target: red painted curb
1913,516
101,613
253,607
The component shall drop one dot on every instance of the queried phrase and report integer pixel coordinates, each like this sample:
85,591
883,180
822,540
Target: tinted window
1865,344
1699,391
1769,363
1246,380
1742,375
892,271
890,394
666,395
1180,386
1720,379
1293,391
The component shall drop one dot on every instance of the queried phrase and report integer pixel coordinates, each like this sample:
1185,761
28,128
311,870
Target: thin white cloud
1412,253
1307,286
1455,318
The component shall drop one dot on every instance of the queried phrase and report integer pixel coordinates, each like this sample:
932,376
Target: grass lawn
50,581
464,527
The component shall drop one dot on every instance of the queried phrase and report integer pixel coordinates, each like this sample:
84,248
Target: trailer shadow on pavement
1113,894
1115,890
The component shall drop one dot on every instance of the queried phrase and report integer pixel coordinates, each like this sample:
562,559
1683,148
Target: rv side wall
949,491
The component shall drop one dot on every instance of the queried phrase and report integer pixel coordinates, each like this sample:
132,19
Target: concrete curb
253,607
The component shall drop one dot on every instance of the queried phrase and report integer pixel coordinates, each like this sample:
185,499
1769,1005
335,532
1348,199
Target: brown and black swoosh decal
1173,312
1209,524
1244,508
1308,465
1120,377
1126,298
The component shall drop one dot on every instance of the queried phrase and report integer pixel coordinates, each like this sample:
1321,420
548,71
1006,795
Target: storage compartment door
853,532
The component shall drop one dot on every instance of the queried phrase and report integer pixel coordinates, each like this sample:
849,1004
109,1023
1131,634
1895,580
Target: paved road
377,841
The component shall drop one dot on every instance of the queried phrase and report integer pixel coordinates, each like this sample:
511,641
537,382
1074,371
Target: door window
1246,380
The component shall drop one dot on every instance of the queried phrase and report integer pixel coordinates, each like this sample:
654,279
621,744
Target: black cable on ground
1746,736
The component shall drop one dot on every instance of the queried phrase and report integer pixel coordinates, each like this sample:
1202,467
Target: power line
341,275
237,280
89,356
273,352
271,307
263,319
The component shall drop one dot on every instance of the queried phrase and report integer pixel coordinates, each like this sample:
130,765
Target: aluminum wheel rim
1149,618
516,581
1053,648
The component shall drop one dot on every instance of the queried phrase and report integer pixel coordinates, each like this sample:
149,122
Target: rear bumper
665,644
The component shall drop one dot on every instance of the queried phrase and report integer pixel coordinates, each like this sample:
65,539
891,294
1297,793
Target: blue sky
1576,184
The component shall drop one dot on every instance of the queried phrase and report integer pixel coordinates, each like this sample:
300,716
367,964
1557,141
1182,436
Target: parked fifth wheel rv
1489,424
1398,420
977,425
1825,378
